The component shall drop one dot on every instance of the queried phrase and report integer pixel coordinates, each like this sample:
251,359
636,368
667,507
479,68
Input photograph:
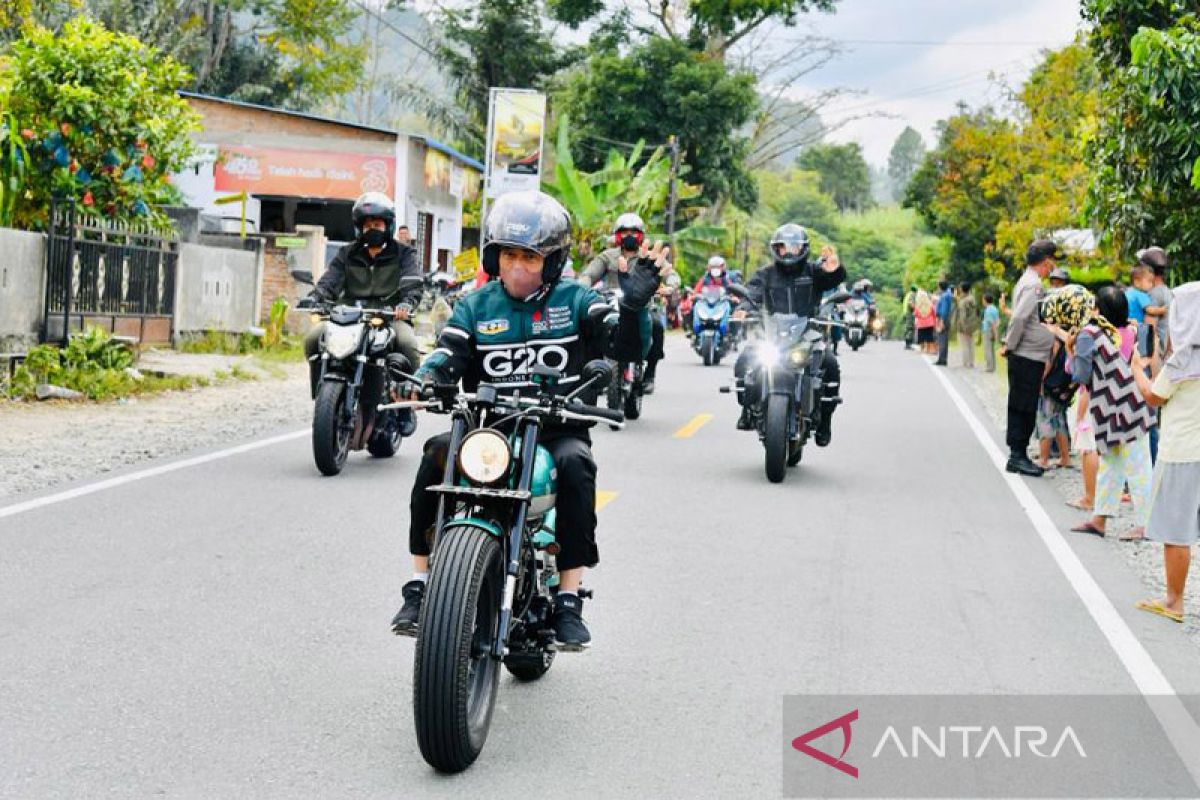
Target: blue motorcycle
712,335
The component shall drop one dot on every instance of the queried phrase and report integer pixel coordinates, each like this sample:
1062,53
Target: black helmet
529,221
374,204
794,241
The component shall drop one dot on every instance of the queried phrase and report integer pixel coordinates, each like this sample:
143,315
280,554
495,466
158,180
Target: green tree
663,88
101,120
905,157
292,53
928,264
1144,153
954,191
844,173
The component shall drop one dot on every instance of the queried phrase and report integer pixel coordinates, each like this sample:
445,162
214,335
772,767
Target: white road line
121,480
1178,724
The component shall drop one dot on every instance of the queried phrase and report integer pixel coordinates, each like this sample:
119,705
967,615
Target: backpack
1058,383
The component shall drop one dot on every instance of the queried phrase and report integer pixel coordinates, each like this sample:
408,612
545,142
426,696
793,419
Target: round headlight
484,456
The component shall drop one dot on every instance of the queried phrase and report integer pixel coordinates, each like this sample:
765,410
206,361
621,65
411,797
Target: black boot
405,621
824,433
746,420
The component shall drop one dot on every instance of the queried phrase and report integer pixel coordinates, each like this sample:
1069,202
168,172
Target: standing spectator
1119,413
1059,278
1085,445
966,324
1156,320
1175,503
945,307
926,321
1027,348
910,319
991,332
1157,313
1141,279
1057,392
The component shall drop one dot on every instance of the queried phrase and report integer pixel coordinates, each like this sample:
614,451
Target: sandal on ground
1079,504
1137,534
1088,527
1156,607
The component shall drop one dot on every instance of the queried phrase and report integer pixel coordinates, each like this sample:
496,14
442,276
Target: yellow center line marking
603,499
689,430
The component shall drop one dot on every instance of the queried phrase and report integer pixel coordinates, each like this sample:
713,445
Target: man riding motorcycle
793,284
718,275
629,242
370,269
496,335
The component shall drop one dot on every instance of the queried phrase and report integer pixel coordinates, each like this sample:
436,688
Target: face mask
374,237
715,272
629,242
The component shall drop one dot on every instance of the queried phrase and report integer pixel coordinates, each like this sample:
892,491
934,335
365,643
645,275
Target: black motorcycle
355,372
492,573
785,381
625,390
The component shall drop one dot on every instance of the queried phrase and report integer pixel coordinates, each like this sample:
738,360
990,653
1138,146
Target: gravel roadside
43,445
1144,558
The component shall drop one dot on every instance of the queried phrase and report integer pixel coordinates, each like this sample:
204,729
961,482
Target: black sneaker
745,421
570,633
648,386
408,422
405,621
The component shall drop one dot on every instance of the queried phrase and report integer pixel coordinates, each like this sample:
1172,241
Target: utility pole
673,143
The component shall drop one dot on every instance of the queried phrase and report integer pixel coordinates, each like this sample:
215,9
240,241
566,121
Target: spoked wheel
455,677
776,437
386,440
330,436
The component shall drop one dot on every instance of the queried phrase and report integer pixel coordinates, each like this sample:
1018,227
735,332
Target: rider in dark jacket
792,284
370,269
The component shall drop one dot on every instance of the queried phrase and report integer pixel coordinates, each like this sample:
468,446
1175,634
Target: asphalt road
222,630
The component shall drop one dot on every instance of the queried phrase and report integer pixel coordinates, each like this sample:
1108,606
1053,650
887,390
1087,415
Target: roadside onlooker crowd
1124,364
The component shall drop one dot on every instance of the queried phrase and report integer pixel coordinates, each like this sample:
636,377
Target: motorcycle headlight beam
484,456
768,354
342,340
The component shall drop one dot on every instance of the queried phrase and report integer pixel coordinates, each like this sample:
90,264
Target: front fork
512,567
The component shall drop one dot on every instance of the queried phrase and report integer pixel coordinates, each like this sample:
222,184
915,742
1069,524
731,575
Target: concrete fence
227,288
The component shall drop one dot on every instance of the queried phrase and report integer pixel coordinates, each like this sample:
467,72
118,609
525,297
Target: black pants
831,391
943,343
657,338
575,526
1024,391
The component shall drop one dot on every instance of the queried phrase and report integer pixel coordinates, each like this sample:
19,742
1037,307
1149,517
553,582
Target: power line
947,43
959,82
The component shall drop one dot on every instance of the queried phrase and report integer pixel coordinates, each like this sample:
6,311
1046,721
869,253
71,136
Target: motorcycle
857,317
787,378
712,336
492,573
356,370
625,391
877,325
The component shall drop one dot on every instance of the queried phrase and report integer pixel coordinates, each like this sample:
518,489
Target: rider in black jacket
792,284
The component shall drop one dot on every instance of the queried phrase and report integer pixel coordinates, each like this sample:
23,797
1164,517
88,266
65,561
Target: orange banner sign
302,173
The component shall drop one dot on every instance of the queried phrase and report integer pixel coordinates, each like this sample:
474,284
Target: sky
958,43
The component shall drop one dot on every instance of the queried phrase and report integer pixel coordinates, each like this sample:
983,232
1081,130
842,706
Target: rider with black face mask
370,269
792,284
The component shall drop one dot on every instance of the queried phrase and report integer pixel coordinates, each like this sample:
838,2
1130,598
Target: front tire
455,677
776,437
707,351
330,439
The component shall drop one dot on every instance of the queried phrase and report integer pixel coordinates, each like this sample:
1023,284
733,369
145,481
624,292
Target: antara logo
841,723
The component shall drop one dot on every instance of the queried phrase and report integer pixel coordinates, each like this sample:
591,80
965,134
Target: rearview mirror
596,369
303,276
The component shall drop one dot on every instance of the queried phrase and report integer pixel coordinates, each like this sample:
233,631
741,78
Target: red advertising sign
302,173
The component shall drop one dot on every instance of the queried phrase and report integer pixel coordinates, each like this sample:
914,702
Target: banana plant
627,183
14,160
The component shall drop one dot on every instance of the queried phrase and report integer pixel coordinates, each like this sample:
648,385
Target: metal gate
119,277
